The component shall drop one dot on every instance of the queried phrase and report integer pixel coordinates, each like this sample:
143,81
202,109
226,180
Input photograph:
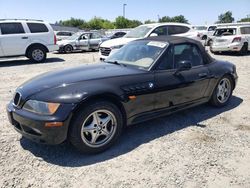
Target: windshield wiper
115,63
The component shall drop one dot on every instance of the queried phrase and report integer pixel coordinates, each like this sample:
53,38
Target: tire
223,88
209,42
204,37
37,54
244,49
89,133
68,48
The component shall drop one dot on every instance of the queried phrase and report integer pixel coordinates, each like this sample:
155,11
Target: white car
62,35
30,38
231,38
177,29
205,32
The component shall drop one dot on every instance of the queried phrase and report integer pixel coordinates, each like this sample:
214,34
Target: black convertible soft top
180,40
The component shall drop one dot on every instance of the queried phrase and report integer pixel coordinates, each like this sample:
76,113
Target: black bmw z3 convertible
91,104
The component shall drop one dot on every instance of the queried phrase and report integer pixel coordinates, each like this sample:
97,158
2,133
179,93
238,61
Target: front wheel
222,92
96,128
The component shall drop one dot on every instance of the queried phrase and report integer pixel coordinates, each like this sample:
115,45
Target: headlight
117,47
38,107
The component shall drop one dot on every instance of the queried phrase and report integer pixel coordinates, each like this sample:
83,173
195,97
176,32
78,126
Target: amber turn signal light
132,97
53,124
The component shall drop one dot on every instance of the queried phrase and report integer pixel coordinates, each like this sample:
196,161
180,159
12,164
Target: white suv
231,38
30,38
109,47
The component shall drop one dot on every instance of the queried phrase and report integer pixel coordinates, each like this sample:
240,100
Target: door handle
203,75
25,37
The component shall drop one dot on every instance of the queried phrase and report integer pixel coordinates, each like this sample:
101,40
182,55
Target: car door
13,39
183,87
84,42
245,31
95,40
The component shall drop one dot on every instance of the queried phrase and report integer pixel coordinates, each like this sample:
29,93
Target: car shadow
20,62
232,54
76,52
134,136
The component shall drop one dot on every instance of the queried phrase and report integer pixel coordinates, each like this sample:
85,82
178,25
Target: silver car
85,41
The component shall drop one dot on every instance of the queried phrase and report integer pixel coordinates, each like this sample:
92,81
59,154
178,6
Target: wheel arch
231,77
109,97
33,45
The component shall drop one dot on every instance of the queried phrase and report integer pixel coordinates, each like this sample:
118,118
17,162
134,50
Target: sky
196,11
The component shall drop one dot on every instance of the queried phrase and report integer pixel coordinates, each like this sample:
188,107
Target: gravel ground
199,147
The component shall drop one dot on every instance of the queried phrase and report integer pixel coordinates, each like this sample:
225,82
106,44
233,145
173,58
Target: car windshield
199,28
74,37
225,32
139,32
140,54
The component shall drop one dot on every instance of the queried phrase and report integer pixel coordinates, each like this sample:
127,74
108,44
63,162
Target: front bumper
32,126
226,48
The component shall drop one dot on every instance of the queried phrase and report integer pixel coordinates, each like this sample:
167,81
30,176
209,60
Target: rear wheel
96,128
37,54
68,49
244,49
223,92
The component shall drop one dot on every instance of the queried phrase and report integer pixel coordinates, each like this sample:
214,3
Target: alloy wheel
37,55
224,90
98,128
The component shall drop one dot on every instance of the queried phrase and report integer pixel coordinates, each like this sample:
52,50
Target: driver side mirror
183,66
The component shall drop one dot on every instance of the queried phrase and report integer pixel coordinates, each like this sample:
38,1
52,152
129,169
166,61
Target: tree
179,19
247,19
149,21
226,17
121,22
73,22
134,23
165,19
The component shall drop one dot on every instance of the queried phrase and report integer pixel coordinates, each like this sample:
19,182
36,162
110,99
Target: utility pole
124,6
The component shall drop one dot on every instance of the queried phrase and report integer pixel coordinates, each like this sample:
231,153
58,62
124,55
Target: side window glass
161,31
11,28
84,37
95,36
166,62
187,52
37,28
211,28
171,30
245,30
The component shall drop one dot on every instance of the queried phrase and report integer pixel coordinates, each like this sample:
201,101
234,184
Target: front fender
76,93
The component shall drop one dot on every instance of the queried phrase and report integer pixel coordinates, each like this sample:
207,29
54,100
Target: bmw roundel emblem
150,85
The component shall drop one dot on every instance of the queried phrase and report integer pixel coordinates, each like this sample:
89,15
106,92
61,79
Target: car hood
117,42
85,73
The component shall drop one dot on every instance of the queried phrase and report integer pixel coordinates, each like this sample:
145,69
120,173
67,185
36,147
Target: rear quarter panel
218,69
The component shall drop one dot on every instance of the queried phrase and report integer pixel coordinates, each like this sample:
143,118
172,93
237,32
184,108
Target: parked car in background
118,34
157,29
30,38
231,39
61,35
90,105
205,32
81,41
